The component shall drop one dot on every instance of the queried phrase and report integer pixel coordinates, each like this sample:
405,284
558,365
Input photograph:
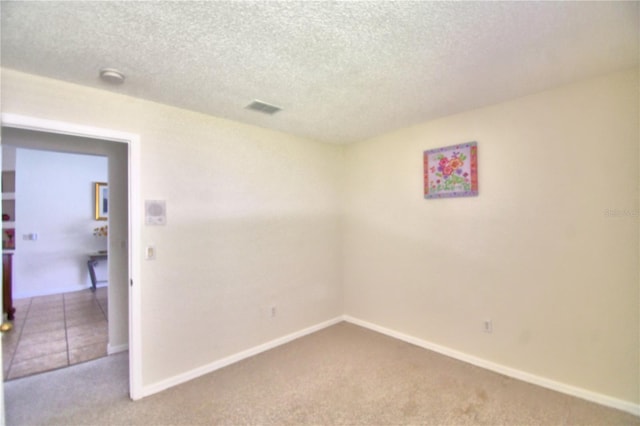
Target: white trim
224,362
117,348
135,285
17,121
133,142
588,395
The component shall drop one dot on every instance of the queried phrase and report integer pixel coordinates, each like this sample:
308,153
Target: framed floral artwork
451,171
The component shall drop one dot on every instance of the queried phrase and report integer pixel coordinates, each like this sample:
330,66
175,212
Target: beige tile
87,341
7,357
86,353
46,315
16,328
80,298
47,298
83,309
11,337
43,337
7,354
8,349
41,326
22,303
40,341
10,342
27,351
35,308
18,321
86,311
52,300
78,304
97,317
83,329
49,306
84,335
79,295
38,365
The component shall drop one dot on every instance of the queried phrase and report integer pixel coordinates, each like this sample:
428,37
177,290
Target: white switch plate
150,253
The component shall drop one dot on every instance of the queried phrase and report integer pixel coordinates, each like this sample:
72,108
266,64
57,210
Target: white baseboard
117,348
216,365
588,395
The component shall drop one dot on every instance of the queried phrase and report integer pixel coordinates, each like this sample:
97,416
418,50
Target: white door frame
133,143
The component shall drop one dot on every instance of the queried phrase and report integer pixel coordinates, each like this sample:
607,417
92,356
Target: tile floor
55,331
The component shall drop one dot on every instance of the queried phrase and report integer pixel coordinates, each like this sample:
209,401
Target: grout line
66,334
106,316
19,332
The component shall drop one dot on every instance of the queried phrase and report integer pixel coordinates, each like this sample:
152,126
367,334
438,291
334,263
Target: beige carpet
341,375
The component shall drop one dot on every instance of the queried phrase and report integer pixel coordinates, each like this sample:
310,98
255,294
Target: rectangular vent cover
263,107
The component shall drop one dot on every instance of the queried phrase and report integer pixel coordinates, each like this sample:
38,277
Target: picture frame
451,171
101,196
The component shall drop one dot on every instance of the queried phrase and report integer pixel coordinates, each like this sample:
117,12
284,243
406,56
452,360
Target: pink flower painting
451,171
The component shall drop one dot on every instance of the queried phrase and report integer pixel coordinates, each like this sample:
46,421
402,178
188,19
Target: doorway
123,148
60,318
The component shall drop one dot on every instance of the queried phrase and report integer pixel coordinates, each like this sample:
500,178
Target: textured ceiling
341,71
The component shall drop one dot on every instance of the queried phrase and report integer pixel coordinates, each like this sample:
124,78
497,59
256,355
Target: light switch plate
150,253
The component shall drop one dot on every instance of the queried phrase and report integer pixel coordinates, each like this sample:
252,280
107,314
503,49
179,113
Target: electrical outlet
272,311
488,326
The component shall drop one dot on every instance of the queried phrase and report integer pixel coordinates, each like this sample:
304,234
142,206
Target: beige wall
252,221
536,251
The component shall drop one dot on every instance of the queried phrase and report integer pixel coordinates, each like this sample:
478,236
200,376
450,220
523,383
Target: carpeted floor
341,375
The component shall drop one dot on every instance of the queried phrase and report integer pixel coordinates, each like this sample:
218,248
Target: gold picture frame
101,192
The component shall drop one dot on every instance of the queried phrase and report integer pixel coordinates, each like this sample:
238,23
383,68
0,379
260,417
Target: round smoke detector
111,76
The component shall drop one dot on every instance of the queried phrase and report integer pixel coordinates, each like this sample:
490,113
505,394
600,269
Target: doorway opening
57,252
122,151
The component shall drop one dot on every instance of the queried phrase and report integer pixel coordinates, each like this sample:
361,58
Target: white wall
54,199
536,251
253,220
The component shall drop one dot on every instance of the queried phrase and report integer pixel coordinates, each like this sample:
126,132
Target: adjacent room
58,294
342,212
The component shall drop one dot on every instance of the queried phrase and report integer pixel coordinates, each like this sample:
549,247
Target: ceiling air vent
263,107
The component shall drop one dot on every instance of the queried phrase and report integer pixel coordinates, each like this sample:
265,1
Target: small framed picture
451,171
101,200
